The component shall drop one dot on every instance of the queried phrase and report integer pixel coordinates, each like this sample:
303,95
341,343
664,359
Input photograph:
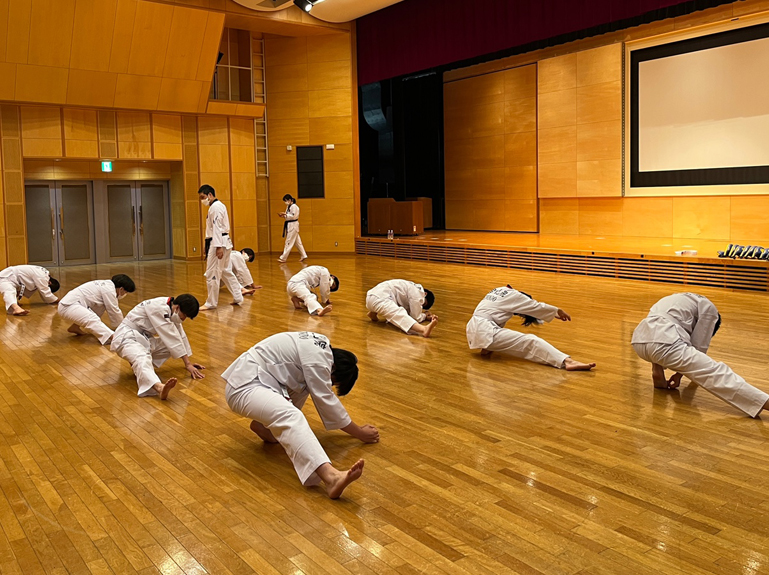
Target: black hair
188,304
123,281
335,284
205,189
718,325
429,299
527,319
53,283
288,197
345,371
250,253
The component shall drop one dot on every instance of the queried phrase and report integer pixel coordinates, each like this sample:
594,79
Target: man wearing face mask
150,334
220,248
85,305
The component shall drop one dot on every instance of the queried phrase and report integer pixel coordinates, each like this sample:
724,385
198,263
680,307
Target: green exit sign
106,166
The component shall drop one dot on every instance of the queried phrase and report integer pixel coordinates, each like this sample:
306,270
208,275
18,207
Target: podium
404,218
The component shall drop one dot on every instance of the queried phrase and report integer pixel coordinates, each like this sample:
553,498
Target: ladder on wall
260,97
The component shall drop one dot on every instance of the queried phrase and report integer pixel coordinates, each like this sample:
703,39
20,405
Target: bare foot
74,328
571,365
372,315
263,432
18,310
247,291
430,327
296,301
164,388
658,377
325,310
206,307
236,302
486,352
341,479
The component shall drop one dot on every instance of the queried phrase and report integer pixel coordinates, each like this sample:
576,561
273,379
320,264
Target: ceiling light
305,5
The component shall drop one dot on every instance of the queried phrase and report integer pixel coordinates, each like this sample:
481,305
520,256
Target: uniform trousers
144,353
391,311
88,319
218,270
304,293
292,237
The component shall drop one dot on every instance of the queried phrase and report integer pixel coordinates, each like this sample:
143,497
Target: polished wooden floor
486,466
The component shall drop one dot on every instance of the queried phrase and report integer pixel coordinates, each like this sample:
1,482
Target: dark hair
53,283
429,299
250,253
205,189
527,319
335,284
718,325
345,371
187,303
288,197
123,281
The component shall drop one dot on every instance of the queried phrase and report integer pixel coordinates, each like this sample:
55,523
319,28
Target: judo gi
85,305
399,301
291,233
218,270
270,383
23,281
486,330
676,335
301,285
147,337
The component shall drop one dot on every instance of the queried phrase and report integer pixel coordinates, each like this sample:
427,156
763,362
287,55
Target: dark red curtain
415,35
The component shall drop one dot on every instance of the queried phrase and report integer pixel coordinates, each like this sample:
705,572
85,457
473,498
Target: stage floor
570,243
485,465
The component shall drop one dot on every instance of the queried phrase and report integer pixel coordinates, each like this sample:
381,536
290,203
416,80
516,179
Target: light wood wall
490,152
310,89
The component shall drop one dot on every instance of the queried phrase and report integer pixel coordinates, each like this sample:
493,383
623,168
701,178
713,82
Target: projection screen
700,111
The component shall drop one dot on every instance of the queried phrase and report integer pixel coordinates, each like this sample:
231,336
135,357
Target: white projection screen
700,111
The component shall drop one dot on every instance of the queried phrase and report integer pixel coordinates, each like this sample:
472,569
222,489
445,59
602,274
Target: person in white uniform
403,304
270,383
301,285
486,329
218,266
676,335
291,229
85,305
23,281
239,261
150,334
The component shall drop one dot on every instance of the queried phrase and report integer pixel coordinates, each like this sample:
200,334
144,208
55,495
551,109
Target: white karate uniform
239,265
270,382
676,335
301,285
399,301
217,270
148,337
85,305
486,330
292,234
23,281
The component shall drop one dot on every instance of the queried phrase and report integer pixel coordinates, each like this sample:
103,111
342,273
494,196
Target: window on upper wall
309,172
234,77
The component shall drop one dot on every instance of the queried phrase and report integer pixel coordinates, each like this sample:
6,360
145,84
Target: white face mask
176,319
122,295
205,202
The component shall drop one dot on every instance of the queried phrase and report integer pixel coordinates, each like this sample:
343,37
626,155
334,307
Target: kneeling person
85,305
23,281
270,383
301,285
150,334
676,335
403,304
486,329
239,261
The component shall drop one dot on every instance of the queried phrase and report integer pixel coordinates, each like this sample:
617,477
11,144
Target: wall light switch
288,148
329,146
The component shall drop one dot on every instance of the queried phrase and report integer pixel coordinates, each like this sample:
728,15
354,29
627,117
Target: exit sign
106,166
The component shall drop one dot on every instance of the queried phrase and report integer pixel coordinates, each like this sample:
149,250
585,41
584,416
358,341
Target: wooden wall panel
490,151
191,184
41,132
13,184
166,137
81,135
134,135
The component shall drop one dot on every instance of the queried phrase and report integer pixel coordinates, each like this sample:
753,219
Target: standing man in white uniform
23,281
403,304
486,329
150,334
239,261
291,229
676,335
301,285
270,383
85,305
218,256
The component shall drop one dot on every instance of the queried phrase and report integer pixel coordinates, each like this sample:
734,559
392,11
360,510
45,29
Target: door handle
53,225
61,223
141,221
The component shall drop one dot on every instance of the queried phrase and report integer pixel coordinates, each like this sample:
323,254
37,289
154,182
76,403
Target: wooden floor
486,466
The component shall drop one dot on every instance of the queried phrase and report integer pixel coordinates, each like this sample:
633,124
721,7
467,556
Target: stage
641,258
